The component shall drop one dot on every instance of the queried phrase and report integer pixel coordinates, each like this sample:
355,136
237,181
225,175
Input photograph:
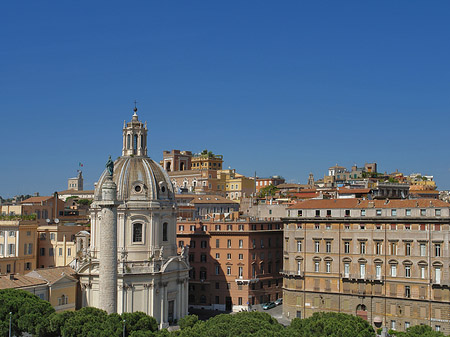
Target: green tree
330,324
269,190
188,321
29,312
252,324
139,321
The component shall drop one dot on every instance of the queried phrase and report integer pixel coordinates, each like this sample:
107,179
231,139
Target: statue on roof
110,166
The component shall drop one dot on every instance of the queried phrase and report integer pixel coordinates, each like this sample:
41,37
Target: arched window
168,166
165,225
135,142
128,141
137,232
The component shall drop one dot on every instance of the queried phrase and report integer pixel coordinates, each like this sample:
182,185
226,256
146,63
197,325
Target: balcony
291,274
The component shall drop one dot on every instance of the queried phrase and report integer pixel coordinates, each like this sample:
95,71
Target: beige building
236,186
57,244
18,242
384,260
61,286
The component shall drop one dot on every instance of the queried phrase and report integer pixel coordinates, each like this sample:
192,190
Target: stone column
108,248
162,291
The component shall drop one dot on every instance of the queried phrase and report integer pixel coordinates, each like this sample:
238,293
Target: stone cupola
134,137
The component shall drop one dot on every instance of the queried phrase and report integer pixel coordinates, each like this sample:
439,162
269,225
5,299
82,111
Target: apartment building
384,260
18,242
57,244
234,264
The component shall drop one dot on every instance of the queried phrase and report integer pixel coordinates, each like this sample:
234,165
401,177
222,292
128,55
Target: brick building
234,264
384,260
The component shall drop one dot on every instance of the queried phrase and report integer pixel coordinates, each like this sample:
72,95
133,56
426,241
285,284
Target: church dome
137,177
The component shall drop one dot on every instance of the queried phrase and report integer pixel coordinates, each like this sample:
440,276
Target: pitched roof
212,199
19,281
74,192
51,275
353,190
359,203
36,199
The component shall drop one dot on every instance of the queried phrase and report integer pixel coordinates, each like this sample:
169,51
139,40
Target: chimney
11,277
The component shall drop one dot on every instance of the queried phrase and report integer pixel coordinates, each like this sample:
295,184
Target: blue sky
282,88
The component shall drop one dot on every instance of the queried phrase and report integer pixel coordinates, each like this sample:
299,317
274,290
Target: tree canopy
417,331
269,190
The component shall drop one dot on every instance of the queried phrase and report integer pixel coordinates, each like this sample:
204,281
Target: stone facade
386,261
151,277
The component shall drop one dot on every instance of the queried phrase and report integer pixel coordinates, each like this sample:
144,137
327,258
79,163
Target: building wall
408,252
18,241
57,245
235,264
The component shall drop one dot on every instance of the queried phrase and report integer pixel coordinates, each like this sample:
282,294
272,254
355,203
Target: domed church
132,262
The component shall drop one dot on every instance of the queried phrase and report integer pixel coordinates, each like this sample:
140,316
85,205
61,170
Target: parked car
269,305
279,301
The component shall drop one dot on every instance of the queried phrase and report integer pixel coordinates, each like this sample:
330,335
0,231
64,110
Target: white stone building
150,276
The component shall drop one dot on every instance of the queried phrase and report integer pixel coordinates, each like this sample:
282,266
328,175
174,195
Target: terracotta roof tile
19,281
51,275
36,199
359,203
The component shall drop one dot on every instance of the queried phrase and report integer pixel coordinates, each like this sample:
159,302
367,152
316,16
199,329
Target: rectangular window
378,248
299,213
346,269
50,251
423,249
328,212
347,212
241,272
69,251
408,271
42,251
316,266
316,226
328,246
362,270
316,246
202,257
328,267
393,212
437,212
347,247
239,300
181,228
11,249
12,234
407,291
8,268
217,243
378,212
228,256
217,227
407,325
408,212
192,228
393,248
437,273
422,272
228,270
393,270
407,249
241,243
299,267
180,243
423,212
407,227
299,246
228,243
137,232
317,212
393,325
60,252
363,212
217,255
362,247
217,270
437,249
52,236
328,226
378,271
